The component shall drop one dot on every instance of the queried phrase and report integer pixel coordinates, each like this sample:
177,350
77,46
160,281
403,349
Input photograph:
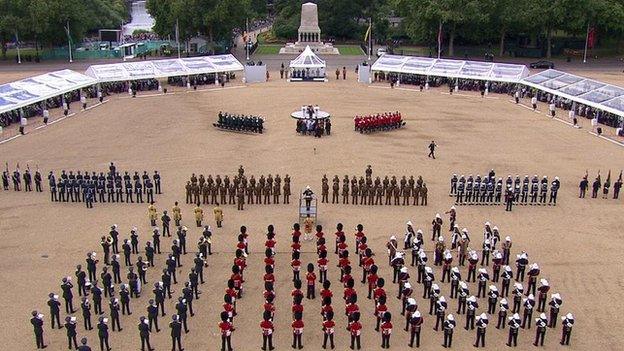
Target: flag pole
178,36
440,39
246,39
586,44
71,59
19,57
370,38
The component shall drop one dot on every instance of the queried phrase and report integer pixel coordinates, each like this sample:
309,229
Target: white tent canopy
307,59
39,88
125,71
603,96
426,66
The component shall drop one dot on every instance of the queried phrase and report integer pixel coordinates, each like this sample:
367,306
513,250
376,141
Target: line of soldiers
102,282
201,190
110,187
21,182
488,190
369,191
597,184
379,122
228,121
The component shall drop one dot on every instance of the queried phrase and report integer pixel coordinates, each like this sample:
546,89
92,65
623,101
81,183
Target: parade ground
578,243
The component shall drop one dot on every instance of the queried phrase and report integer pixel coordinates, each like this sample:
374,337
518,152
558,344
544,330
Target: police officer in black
133,281
159,296
70,326
171,269
68,296
165,222
138,191
182,308
116,269
134,240
187,292
152,314
127,250
55,310
182,239
103,333
144,333
114,234
37,323
96,292
38,181
124,298
81,279
199,266
52,184
118,189
86,313
128,188
92,266
107,281
149,189
156,177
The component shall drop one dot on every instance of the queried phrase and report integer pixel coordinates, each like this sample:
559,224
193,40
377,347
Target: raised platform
317,48
317,79
300,115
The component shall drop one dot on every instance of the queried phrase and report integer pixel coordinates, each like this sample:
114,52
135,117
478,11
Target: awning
126,71
307,59
39,88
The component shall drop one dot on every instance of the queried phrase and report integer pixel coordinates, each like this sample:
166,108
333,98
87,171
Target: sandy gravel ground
577,243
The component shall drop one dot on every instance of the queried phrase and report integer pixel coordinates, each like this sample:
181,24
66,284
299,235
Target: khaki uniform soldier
189,196
241,171
195,189
258,191
411,182
218,215
252,181
262,181
379,198
276,193
389,191
361,182
177,214
368,171
369,182
407,193
222,190
345,180
240,198
266,191
210,181
363,193
250,193
287,189
236,181
199,215
353,182
345,192
416,193
269,181
202,182
152,214
226,182
232,194
393,181
377,182
335,190
423,195
324,192
218,181
278,180
371,194
397,195
193,179
214,191
354,192
205,193
385,182
324,180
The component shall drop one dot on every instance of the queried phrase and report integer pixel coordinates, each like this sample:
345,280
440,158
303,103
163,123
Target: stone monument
309,34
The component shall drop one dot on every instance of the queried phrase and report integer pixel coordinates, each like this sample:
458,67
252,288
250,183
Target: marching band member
529,304
540,329
482,322
514,326
449,325
502,313
567,321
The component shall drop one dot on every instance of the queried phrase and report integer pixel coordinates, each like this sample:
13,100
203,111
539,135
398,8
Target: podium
304,210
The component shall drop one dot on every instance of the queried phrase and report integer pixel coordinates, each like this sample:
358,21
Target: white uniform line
96,105
9,139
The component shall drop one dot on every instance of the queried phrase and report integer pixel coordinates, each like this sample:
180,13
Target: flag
608,182
368,31
591,37
620,177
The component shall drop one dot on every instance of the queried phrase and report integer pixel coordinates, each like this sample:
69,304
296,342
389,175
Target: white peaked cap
472,298
134,229
419,231
508,269
403,269
442,299
416,314
555,296
518,285
437,215
569,316
487,224
452,207
115,226
463,284
523,255
411,301
409,223
556,178
455,269
422,253
464,236
428,270
448,255
465,230
503,301
515,316
543,316
400,254
482,270
498,255
455,225
407,285
493,288
531,297
487,241
307,187
450,317
544,282
508,238
435,286
184,228
483,316
440,238
534,266
392,237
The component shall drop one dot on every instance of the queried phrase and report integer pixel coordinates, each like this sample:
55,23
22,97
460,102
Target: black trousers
355,341
176,340
480,337
385,341
69,341
415,335
448,338
297,341
226,340
39,340
513,337
145,340
104,341
267,339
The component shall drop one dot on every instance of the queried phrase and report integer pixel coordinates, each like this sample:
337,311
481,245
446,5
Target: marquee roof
307,59
125,71
39,88
607,97
490,71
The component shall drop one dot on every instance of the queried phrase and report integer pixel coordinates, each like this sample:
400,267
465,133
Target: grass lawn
268,49
350,50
